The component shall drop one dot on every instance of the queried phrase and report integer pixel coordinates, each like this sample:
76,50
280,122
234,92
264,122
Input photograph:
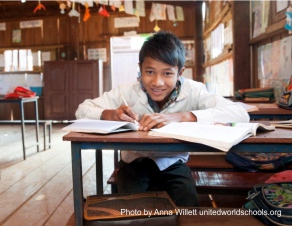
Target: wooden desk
270,111
279,140
22,101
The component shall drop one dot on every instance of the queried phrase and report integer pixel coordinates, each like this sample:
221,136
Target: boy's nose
158,80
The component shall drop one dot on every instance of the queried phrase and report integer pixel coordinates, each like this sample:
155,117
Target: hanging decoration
39,7
102,11
103,2
156,28
171,14
115,4
69,3
87,12
113,8
158,11
62,6
140,7
73,11
129,8
121,8
136,13
179,13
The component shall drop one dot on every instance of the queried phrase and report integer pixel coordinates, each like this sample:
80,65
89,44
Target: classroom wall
69,38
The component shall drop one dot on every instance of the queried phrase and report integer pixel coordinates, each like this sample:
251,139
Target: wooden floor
38,190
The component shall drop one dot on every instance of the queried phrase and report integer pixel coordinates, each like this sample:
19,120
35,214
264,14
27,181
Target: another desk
270,111
279,140
21,101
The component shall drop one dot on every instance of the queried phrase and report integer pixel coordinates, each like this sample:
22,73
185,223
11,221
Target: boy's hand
157,120
123,113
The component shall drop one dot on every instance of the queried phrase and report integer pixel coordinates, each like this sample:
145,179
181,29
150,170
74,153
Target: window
21,60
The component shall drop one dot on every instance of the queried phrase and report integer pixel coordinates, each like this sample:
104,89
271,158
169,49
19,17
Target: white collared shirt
193,97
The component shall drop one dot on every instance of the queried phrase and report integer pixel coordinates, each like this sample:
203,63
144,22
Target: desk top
271,111
279,136
265,109
10,100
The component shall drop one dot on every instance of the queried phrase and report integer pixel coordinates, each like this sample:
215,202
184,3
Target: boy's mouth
157,92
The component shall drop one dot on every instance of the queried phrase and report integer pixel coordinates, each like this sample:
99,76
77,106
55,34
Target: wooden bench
47,128
213,174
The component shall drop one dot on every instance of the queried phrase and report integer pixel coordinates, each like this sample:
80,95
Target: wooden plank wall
57,28
75,36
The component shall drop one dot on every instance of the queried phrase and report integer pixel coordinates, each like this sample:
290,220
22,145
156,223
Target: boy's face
159,79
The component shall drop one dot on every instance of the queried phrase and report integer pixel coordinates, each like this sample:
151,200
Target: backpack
20,92
255,162
271,203
285,100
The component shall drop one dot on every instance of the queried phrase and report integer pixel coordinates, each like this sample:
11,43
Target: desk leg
99,172
22,129
45,134
77,183
50,135
37,124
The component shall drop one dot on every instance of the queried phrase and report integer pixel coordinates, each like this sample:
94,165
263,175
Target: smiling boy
160,96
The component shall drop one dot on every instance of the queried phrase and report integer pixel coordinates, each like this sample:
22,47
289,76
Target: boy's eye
149,72
168,73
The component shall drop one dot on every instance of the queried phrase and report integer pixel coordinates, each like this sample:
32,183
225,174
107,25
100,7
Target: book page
254,126
217,135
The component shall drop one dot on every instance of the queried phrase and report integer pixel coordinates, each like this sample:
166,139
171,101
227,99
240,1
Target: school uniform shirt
193,97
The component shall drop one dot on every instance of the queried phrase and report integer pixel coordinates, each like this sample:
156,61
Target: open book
218,135
100,126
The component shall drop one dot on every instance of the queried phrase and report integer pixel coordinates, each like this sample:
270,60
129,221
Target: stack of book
282,124
255,94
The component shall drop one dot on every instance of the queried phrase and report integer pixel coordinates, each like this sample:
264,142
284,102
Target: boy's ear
181,71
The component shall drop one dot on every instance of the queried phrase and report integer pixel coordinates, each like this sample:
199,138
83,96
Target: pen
212,201
125,102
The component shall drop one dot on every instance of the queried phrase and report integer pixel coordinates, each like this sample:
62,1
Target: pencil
125,102
212,201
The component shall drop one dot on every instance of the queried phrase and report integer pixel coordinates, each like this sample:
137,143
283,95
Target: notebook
100,126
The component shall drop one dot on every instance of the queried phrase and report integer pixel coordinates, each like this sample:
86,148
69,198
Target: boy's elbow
240,114
245,116
78,113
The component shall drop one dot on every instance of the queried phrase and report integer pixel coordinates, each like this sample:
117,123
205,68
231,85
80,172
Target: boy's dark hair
165,47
